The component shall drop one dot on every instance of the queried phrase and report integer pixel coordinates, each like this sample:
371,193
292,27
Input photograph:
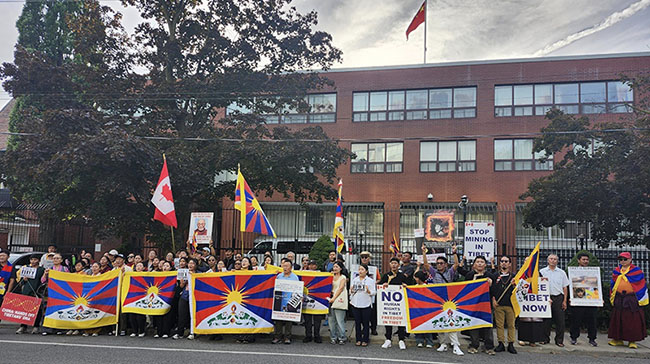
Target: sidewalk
582,348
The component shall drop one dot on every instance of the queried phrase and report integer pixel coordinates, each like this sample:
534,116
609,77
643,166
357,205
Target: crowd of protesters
351,292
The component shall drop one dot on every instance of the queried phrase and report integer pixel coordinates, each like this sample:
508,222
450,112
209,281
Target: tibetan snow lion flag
232,302
448,307
148,293
81,302
318,287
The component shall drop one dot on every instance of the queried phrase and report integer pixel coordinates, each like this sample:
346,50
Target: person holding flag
337,234
394,246
629,292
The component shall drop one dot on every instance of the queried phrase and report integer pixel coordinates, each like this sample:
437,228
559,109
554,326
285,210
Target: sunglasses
505,261
622,259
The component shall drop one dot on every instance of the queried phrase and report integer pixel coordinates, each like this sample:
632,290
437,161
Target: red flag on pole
163,199
418,19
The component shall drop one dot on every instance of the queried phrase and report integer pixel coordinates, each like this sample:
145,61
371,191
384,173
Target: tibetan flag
81,302
337,234
252,217
394,246
526,279
163,200
419,18
318,287
635,277
448,307
148,293
273,268
237,302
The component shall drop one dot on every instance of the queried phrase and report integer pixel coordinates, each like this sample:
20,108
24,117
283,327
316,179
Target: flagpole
426,5
173,241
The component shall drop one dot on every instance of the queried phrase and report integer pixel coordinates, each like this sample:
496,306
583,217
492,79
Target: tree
103,127
607,187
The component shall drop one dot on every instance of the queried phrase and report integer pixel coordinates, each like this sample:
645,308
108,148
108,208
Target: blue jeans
337,324
426,339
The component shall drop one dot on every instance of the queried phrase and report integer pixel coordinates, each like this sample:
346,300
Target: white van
279,247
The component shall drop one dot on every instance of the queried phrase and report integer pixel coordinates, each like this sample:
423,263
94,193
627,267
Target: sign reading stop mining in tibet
479,240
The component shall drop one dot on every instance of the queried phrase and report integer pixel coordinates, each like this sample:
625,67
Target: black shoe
374,333
276,341
318,340
511,348
307,339
500,347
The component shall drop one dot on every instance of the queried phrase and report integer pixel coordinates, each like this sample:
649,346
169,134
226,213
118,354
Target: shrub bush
321,249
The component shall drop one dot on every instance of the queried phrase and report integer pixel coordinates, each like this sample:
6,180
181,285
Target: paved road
105,349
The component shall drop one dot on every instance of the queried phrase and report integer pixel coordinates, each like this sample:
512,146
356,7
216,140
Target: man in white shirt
558,283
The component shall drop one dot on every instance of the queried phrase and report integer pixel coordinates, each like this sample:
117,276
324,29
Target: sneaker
176,337
342,342
500,347
44,333
511,348
60,332
133,335
85,334
387,344
429,346
420,345
190,337
141,335
442,347
35,331
156,336
165,336
490,352
20,330
122,333
402,345
75,333
333,342
287,341
593,342
457,351
69,332
277,341
95,334
472,350
574,341
632,345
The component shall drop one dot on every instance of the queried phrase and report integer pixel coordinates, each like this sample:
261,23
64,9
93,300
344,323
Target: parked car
20,259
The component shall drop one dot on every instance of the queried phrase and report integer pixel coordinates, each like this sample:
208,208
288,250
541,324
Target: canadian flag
163,199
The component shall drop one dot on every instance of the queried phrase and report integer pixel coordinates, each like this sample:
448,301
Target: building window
377,157
571,98
517,155
448,156
443,103
321,109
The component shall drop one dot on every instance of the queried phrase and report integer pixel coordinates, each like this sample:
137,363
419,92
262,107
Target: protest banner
19,308
148,293
448,307
431,258
354,271
183,274
201,227
236,302
585,287
391,307
479,240
534,305
78,301
439,225
28,272
318,287
287,300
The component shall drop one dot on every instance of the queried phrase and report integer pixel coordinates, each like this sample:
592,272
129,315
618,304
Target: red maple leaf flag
163,199
418,19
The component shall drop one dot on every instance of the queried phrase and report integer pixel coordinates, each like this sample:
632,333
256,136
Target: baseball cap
206,249
312,262
114,252
365,253
119,255
625,255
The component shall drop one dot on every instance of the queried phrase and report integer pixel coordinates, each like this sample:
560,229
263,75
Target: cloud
608,22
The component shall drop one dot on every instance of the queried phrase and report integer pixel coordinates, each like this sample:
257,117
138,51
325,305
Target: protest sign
585,287
479,240
354,271
201,227
534,305
19,308
28,272
287,300
439,225
431,258
183,274
391,306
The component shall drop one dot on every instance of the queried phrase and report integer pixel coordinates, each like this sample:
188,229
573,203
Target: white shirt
557,280
360,297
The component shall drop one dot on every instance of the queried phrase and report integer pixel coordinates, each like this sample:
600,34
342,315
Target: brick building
427,134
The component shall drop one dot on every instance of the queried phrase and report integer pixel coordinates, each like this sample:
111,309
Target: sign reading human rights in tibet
232,302
390,306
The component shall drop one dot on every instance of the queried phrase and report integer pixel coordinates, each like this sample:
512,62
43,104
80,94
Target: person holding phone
362,291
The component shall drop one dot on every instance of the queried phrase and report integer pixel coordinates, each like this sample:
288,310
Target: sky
372,32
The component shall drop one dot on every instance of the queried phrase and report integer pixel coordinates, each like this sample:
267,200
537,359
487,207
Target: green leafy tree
102,127
321,249
607,187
